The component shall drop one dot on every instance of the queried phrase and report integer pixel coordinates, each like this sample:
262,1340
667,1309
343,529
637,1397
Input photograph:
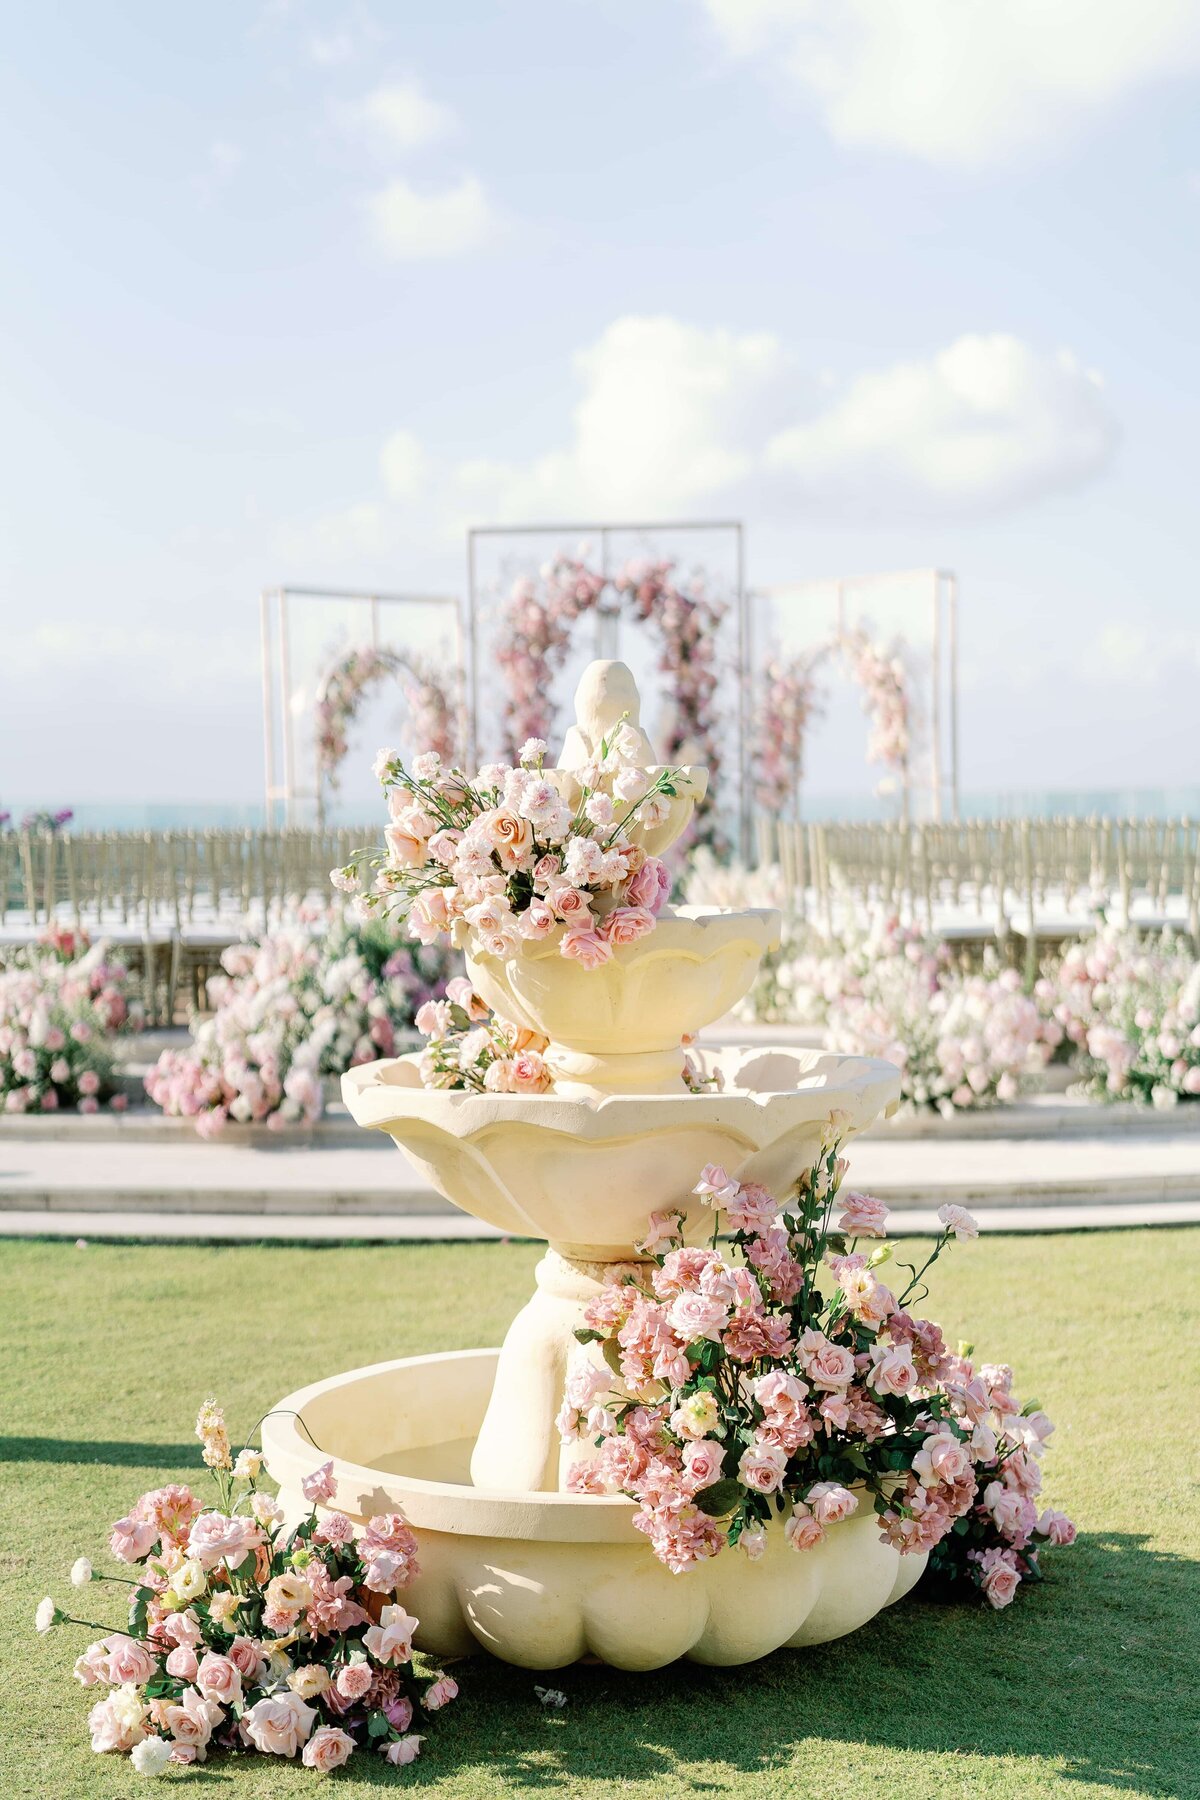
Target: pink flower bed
62,1002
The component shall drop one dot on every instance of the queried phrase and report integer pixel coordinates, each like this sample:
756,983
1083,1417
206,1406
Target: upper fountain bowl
617,1029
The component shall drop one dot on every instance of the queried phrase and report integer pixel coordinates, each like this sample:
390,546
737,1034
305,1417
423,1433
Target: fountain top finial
606,697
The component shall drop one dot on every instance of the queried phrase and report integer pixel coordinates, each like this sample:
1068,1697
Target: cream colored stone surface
543,1579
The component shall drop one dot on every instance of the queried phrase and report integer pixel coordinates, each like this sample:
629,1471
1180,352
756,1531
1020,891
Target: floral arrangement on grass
249,1633
306,1001
1130,1005
779,1384
501,859
62,1001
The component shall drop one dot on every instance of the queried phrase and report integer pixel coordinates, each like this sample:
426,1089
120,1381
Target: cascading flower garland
248,1633
781,1381
882,676
431,712
788,701
534,642
505,857
62,1002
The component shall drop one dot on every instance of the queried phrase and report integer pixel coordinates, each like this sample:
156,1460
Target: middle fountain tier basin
586,1174
541,1579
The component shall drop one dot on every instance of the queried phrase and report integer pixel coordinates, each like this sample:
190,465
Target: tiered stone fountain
465,1443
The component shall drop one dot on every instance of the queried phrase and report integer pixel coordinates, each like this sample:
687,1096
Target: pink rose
181,1628
830,1502
584,945
762,1467
942,1458
1000,1584
278,1724
219,1678
827,1365
403,1750
893,1371
567,901
429,915
132,1538
863,1216
320,1487
694,1315
192,1722
626,924
1056,1526
128,1661
353,1680
214,1538
391,1640
536,922
439,1693
702,1461
92,1666
247,1657
328,1748
182,1663
802,1531
650,886
399,1712
460,993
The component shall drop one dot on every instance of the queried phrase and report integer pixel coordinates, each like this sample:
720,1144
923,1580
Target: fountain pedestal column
518,1444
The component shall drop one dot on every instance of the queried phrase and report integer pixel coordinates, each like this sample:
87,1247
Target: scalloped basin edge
542,1579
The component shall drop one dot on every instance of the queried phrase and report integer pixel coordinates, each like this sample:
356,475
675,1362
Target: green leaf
377,1725
611,1352
719,1499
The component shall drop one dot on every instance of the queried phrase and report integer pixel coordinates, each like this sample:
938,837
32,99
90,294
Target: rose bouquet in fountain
246,1632
518,854
781,1382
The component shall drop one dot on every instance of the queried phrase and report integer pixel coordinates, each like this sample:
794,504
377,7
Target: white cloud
401,116
673,417
411,225
668,418
985,423
403,464
962,81
329,50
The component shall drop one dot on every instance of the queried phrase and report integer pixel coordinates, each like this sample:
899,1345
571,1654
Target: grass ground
1084,1688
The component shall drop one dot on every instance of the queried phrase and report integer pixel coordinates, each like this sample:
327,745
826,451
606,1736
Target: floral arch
359,672
791,697
535,637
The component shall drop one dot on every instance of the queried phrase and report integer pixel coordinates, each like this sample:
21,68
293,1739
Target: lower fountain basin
586,1174
543,1579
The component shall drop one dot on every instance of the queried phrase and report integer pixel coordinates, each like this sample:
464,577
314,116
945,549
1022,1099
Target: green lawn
1081,1689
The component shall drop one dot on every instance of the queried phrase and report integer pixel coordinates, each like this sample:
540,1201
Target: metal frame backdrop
607,619
279,736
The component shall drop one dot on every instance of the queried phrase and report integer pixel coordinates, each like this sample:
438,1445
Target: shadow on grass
1085,1676
98,1450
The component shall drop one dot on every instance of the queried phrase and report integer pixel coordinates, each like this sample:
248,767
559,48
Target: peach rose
509,836
128,1661
328,1748
584,945
279,1724
182,1663
218,1678
802,1531
247,1657
762,1467
193,1721
830,1502
1000,1584
391,1640
626,924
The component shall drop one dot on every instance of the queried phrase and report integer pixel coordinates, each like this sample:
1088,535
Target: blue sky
294,293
